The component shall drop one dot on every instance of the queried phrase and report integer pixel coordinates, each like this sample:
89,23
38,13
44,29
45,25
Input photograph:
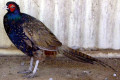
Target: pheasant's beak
5,7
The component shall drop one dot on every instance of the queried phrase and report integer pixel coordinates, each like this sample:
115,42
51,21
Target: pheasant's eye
11,6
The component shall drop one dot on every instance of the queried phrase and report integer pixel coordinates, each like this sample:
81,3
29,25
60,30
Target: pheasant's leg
31,75
30,68
31,64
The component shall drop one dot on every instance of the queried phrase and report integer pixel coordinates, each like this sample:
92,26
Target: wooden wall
82,23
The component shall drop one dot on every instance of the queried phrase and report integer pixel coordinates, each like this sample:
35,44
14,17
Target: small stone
114,75
86,72
22,63
106,79
50,78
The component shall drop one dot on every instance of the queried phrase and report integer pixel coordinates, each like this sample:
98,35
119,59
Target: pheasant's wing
39,34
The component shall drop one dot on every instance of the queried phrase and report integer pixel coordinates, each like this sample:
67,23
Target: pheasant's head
12,7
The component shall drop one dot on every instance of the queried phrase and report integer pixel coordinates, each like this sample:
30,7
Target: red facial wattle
11,7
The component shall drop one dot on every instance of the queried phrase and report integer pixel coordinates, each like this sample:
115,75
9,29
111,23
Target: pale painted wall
83,23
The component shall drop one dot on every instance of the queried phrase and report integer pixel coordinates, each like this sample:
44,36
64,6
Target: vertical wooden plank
111,22
88,28
76,23
24,6
103,24
116,28
59,17
67,10
92,11
46,14
106,24
33,8
95,21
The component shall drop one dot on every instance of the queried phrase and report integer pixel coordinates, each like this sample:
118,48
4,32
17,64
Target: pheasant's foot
31,75
25,72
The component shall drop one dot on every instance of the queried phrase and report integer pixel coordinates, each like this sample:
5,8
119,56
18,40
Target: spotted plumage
32,37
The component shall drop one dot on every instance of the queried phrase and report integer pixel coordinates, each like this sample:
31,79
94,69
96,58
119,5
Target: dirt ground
60,68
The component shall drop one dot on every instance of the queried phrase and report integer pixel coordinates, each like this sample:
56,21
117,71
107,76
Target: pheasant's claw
25,72
31,75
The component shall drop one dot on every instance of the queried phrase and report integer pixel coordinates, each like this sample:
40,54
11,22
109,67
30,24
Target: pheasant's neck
14,16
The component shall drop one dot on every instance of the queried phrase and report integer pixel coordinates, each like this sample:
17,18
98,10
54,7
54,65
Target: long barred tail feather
105,64
79,56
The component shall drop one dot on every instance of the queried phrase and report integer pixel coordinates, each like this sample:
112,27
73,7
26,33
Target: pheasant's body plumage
32,37
29,34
